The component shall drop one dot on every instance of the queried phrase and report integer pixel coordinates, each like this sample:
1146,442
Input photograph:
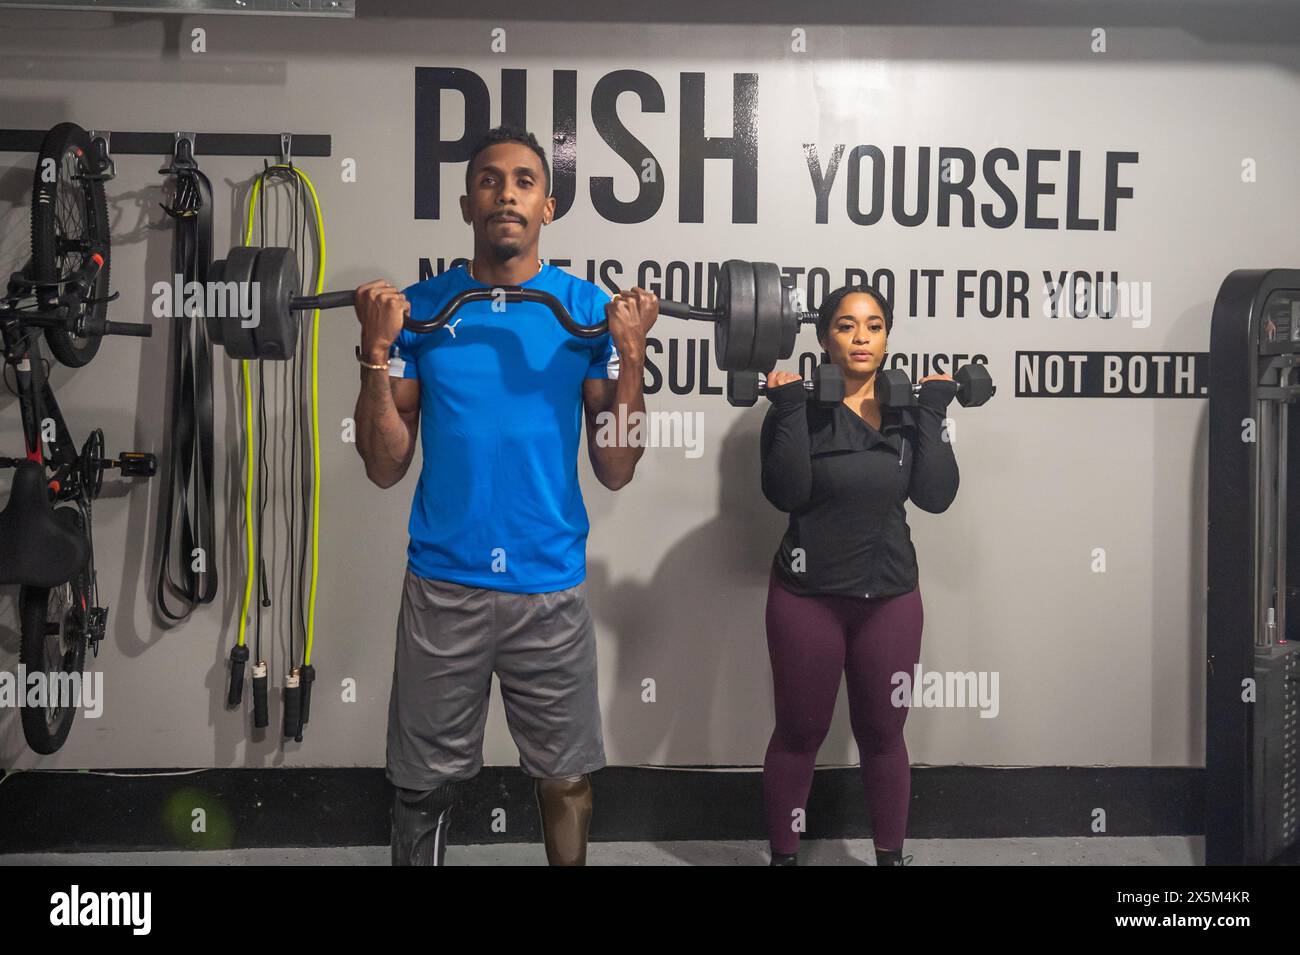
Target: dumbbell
754,316
894,389
827,386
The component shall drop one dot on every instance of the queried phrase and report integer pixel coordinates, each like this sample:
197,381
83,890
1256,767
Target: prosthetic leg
565,807
420,818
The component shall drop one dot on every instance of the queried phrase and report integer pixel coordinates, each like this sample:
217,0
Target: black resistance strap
187,499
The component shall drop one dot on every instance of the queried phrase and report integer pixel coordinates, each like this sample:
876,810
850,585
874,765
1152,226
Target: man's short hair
508,134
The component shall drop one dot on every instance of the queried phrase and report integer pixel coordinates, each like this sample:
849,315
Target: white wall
1094,668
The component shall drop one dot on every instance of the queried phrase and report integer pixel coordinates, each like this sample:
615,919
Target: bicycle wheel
69,214
53,643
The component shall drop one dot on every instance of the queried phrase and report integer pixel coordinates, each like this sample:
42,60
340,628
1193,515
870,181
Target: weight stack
1277,670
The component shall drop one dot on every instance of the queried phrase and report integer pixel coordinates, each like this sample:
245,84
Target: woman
843,594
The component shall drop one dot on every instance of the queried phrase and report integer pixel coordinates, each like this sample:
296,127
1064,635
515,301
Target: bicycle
46,531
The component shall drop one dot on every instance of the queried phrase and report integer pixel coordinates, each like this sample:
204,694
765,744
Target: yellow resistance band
245,367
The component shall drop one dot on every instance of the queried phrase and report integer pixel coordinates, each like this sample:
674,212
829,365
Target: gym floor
1100,851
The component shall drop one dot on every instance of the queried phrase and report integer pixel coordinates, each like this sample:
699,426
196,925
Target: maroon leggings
811,641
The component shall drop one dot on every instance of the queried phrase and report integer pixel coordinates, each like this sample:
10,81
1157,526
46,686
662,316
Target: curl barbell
754,317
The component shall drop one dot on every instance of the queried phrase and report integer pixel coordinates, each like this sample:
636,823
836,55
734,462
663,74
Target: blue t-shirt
498,504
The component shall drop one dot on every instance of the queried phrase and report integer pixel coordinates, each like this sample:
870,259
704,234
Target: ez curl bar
754,318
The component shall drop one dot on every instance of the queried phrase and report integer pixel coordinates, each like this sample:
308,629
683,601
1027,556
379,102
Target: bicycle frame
37,405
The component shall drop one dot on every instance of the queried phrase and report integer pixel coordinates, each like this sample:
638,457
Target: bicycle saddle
39,546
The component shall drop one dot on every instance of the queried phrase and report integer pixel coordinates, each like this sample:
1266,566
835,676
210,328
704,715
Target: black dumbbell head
894,389
742,388
828,383
976,385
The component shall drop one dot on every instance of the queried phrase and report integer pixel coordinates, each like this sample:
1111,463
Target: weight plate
789,318
767,316
236,301
276,274
733,335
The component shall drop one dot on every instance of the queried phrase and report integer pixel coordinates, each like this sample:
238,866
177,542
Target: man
497,553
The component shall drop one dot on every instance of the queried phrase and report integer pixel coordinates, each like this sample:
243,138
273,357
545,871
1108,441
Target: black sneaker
780,858
894,857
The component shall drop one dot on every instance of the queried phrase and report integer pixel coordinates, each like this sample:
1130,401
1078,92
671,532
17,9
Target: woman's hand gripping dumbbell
744,387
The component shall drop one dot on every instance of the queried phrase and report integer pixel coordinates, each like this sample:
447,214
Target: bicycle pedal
136,463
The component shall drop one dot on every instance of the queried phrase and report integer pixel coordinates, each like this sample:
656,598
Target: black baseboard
256,808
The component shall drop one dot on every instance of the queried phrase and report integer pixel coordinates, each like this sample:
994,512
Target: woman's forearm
933,484
785,449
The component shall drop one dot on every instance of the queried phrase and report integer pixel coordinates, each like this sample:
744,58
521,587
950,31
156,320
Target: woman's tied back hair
830,305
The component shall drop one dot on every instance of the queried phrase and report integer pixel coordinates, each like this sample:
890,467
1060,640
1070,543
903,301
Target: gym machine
1253,570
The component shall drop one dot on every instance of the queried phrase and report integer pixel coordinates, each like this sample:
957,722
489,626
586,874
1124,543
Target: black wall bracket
205,144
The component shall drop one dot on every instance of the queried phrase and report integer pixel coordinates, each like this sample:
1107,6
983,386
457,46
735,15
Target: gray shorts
450,640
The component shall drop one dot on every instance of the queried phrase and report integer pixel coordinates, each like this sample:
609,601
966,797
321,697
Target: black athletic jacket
844,484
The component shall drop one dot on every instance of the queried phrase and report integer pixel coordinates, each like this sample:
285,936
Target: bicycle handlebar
137,329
